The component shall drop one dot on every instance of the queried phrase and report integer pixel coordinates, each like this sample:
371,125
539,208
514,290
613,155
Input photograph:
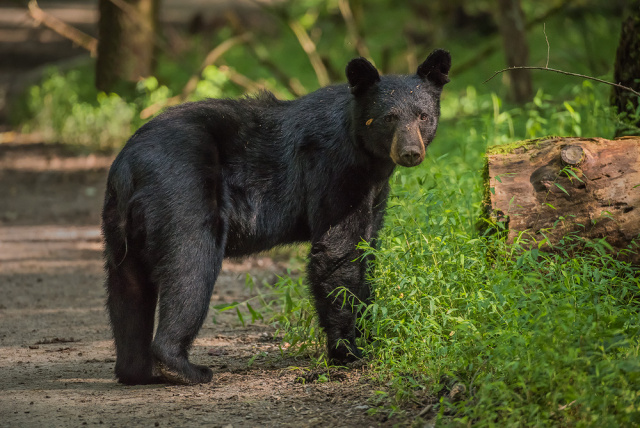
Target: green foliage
68,108
98,127
287,306
290,310
60,109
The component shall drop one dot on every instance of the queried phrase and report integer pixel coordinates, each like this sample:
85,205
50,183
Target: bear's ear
361,75
436,67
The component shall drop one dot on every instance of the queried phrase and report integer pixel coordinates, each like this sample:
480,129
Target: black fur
219,178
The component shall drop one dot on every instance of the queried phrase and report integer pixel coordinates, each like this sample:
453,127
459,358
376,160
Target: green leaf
561,188
288,303
225,306
251,360
570,171
541,243
254,314
240,317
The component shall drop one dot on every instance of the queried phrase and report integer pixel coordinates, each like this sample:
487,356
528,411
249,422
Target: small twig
63,29
495,43
245,82
563,72
311,51
191,85
240,79
259,51
147,112
352,29
546,67
211,58
565,406
544,30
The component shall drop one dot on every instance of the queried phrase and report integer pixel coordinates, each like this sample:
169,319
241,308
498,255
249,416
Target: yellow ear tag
369,122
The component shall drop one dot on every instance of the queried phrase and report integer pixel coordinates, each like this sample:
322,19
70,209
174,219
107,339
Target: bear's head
397,116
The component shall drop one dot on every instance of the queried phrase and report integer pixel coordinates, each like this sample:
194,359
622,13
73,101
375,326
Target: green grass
526,332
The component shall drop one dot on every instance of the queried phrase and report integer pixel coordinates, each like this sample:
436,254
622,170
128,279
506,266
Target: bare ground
56,353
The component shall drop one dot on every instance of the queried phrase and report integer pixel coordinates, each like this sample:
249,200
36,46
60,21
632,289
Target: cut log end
572,155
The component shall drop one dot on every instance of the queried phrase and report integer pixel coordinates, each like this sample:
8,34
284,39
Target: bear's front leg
336,271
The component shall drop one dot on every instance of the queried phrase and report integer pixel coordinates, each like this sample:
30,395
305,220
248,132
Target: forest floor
56,352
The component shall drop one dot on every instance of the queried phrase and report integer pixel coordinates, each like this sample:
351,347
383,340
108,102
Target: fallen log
548,188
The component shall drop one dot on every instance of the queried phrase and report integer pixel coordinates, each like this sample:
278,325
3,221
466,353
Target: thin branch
147,112
240,79
62,28
243,81
211,58
291,83
191,85
279,11
352,29
311,51
544,30
495,44
563,72
258,50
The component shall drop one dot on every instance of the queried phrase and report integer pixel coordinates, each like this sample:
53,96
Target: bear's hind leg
185,291
131,303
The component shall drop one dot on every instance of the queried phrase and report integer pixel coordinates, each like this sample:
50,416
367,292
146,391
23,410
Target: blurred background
57,83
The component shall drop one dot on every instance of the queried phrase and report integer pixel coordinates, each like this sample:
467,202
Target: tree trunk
551,187
627,71
127,31
516,50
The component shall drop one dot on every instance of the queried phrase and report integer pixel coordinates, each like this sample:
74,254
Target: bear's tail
115,213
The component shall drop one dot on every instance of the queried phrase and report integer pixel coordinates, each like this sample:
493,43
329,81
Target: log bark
551,187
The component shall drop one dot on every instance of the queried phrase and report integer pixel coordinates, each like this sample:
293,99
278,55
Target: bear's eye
424,116
391,117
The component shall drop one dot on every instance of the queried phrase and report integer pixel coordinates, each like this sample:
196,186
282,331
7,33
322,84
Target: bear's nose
411,157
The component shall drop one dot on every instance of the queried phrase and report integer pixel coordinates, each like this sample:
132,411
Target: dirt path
56,354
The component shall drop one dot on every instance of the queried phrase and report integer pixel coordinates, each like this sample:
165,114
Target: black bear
226,178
